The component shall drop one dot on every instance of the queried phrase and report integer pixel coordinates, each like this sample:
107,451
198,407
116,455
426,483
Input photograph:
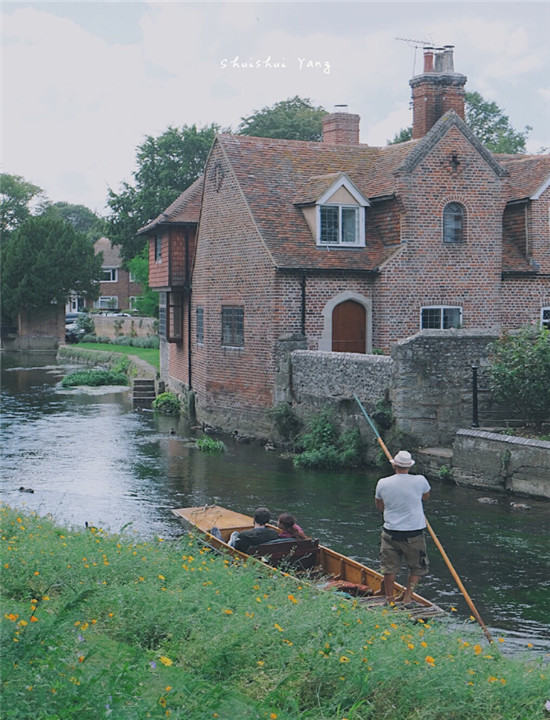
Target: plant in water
167,403
94,378
207,444
285,420
322,445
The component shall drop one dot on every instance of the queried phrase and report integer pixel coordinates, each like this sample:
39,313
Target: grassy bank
96,625
149,355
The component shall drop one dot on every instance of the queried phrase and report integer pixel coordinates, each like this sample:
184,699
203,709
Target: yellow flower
273,716
261,663
165,660
410,646
161,577
429,659
344,659
478,649
453,609
293,599
168,688
278,627
501,640
424,644
228,612
34,619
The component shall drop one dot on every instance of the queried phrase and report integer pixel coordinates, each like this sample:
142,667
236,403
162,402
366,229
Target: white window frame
113,271
359,208
106,302
442,309
545,317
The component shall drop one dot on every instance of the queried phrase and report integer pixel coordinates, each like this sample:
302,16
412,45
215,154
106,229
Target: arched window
454,223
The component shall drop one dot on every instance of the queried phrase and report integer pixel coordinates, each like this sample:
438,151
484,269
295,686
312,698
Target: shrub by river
98,625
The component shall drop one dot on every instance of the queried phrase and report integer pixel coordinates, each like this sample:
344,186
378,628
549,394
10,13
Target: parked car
73,331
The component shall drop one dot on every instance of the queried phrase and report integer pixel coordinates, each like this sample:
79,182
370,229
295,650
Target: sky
83,83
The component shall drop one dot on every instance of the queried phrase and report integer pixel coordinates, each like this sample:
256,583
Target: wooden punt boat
326,567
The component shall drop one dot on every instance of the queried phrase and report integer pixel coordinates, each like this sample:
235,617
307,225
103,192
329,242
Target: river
90,458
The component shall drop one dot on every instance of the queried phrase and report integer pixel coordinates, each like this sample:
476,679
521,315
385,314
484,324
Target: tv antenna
416,44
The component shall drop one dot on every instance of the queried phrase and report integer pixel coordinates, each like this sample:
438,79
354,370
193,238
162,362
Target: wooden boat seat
297,554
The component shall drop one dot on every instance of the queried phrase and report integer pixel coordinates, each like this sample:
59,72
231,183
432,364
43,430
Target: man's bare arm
380,504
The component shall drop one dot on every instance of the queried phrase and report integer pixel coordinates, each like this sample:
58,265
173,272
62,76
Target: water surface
90,458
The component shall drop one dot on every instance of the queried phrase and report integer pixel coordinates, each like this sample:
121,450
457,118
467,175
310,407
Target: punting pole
432,533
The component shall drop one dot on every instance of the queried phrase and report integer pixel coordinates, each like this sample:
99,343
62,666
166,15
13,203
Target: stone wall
431,390
319,379
110,325
498,462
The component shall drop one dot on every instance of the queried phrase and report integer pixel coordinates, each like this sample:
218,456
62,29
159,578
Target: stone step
144,393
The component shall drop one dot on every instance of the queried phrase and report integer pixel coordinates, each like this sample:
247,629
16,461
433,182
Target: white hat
403,459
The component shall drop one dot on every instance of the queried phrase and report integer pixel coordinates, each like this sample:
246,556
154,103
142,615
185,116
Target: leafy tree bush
323,447
167,403
292,119
519,373
285,420
43,261
86,323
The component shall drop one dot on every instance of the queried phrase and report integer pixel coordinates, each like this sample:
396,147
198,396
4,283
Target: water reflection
90,458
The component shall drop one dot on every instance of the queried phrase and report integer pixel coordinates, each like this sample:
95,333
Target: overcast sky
85,82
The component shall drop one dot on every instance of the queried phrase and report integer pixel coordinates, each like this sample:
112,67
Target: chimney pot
428,59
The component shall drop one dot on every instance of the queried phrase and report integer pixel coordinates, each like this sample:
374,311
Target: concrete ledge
501,462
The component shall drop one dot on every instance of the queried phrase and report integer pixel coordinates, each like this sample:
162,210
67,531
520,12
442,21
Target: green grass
97,625
150,355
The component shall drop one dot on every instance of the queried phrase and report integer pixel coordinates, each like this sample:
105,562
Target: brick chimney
341,128
438,89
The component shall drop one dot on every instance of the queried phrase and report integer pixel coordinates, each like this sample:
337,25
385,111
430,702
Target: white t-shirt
402,497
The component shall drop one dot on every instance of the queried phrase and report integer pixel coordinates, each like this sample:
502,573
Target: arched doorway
349,322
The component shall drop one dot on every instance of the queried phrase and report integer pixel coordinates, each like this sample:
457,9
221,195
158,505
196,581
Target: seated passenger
289,529
259,534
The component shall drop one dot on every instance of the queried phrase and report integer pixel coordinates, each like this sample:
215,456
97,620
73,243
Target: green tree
16,197
292,119
166,166
148,303
43,261
488,123
519,373
80,217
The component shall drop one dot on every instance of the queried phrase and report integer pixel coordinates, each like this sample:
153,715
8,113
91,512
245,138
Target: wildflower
453,609
165,660
273,716
161,577
153,664
424,644
261,663
410,646
168,688
11,617
478,649
344,659
81,658
278,627
293,599
162,701
501,640
429,659
492,679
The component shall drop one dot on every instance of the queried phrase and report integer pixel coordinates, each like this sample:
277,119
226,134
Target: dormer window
340,225
340,219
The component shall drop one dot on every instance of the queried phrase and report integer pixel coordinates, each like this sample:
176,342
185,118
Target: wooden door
349,323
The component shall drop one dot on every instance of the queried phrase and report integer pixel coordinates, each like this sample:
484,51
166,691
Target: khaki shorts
412,550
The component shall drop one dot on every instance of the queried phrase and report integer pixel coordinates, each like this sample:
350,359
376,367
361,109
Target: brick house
117,289
342,247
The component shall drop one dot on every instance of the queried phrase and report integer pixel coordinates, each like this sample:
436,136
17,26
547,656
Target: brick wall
428,271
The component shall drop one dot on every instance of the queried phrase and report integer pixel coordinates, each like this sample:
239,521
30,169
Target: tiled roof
276,174
185,209
111,254
528,173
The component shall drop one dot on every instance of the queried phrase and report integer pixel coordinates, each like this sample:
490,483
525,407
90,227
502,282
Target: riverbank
99,625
